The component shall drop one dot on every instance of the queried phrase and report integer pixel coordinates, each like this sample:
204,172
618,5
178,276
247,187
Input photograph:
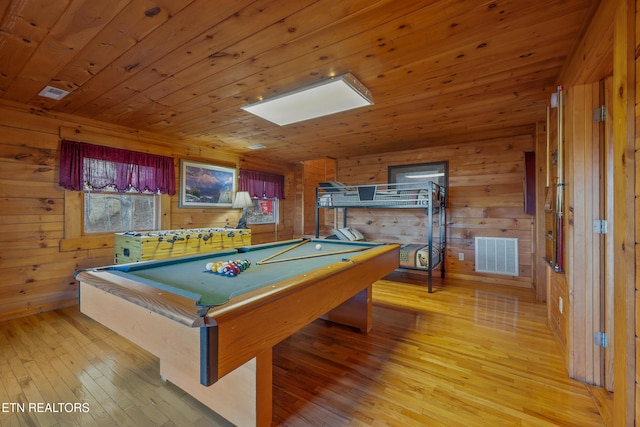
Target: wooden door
585,246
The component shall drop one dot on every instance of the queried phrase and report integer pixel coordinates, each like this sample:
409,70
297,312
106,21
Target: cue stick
312,256
284,251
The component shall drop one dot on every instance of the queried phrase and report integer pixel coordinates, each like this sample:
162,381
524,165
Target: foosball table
135,246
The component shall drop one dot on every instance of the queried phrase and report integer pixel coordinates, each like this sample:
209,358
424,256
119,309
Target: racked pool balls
228,268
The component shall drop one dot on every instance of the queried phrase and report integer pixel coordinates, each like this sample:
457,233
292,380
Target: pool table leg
243,396
264,388
355,312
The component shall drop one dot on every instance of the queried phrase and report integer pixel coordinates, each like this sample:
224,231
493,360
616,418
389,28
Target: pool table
214,334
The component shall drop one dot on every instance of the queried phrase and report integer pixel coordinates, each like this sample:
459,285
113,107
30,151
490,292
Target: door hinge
600,114
600,339
600,226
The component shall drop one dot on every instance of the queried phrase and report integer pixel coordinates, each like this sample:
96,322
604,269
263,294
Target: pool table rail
175,307
255,321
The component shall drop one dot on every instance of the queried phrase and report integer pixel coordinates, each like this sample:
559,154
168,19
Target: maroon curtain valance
101,167
262,185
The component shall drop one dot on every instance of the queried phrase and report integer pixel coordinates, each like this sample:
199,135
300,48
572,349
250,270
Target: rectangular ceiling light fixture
327,97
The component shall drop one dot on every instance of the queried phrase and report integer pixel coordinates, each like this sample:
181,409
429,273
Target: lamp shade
242,200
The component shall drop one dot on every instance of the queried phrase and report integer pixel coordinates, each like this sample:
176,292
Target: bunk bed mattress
415,256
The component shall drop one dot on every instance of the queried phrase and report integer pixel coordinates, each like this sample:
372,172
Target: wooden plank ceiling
440,71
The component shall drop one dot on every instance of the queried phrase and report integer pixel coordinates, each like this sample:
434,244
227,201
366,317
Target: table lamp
242,201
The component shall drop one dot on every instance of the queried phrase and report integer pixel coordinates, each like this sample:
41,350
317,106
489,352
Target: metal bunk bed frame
429,196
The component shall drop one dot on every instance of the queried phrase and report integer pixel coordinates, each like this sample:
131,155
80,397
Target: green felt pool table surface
188,276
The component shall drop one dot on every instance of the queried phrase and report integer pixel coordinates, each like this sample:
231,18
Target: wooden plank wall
298,195
314,172
307,176
636,341
38,252
486,198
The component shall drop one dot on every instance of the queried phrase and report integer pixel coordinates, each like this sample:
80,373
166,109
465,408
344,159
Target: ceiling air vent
53,93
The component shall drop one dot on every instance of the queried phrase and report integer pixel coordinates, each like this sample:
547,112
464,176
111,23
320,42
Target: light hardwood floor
466,355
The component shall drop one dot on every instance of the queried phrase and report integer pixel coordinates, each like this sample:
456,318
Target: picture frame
204,185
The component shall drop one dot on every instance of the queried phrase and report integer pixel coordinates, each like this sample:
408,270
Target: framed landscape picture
206,186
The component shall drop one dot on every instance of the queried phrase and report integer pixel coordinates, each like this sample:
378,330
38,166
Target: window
106,167
112,212
436,172
265,190
262,185
263,212
121,188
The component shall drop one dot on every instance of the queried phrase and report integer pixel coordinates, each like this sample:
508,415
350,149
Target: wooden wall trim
540,265
624,244
114,139
84,243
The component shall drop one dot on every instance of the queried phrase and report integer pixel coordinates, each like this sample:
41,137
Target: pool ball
318,247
